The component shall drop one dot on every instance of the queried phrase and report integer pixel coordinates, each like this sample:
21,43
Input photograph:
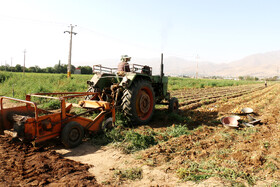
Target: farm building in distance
77,71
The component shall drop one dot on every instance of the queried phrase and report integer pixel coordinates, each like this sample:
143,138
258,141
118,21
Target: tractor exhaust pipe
161,67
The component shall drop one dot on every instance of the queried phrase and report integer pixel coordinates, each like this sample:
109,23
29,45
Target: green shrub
135,141
177,130
4,76
113,136
127,140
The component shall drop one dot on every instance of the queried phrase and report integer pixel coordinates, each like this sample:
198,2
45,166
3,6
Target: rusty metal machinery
31,123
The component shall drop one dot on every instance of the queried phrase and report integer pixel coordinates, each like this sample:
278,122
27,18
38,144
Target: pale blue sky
216,30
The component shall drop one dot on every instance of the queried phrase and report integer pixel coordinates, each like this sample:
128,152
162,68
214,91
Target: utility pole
196,74
24,52
70,49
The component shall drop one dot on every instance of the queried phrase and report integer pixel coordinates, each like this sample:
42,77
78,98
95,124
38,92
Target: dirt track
251,152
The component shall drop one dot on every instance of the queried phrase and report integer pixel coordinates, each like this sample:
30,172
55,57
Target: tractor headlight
90,83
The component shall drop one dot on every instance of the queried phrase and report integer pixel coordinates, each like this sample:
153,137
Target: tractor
135,93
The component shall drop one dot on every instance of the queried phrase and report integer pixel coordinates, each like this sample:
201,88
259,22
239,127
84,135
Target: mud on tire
138,102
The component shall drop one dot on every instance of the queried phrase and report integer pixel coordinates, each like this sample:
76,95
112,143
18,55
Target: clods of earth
209,154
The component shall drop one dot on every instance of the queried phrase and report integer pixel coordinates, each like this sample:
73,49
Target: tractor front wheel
107,124
72,134
173,105
138,102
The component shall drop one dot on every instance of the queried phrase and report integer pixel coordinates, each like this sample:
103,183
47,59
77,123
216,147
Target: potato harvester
30,123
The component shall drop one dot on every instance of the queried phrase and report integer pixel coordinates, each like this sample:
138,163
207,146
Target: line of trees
248,78
58,68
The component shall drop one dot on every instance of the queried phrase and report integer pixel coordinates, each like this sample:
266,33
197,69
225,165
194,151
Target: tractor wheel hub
74,134
145,103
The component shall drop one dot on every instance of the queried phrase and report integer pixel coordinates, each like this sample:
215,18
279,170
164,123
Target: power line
70,49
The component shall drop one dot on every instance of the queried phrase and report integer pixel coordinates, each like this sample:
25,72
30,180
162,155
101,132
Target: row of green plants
19,84
176,83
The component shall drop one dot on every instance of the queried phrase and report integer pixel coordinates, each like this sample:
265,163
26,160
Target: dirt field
211,155
24,165
253,152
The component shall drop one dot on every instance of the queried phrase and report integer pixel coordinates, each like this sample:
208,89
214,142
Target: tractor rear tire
138,102
72,134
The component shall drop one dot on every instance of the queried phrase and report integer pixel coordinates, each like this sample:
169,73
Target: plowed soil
229,156
23,165
252,151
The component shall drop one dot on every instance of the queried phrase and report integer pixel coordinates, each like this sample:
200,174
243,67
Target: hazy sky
216,30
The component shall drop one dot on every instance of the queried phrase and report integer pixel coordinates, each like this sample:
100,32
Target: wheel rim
74,135
144,103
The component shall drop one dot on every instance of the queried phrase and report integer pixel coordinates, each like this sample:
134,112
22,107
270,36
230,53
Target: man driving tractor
123,65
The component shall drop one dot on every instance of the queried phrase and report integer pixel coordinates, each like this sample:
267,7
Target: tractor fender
102,80
129,78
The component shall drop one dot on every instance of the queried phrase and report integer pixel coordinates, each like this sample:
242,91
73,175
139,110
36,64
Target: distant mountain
259,65
178,66
262,64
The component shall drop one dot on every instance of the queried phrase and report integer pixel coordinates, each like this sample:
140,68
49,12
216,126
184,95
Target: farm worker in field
123,65
265,84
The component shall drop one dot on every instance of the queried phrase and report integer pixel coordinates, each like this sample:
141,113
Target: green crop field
181,83
40,82
18,85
